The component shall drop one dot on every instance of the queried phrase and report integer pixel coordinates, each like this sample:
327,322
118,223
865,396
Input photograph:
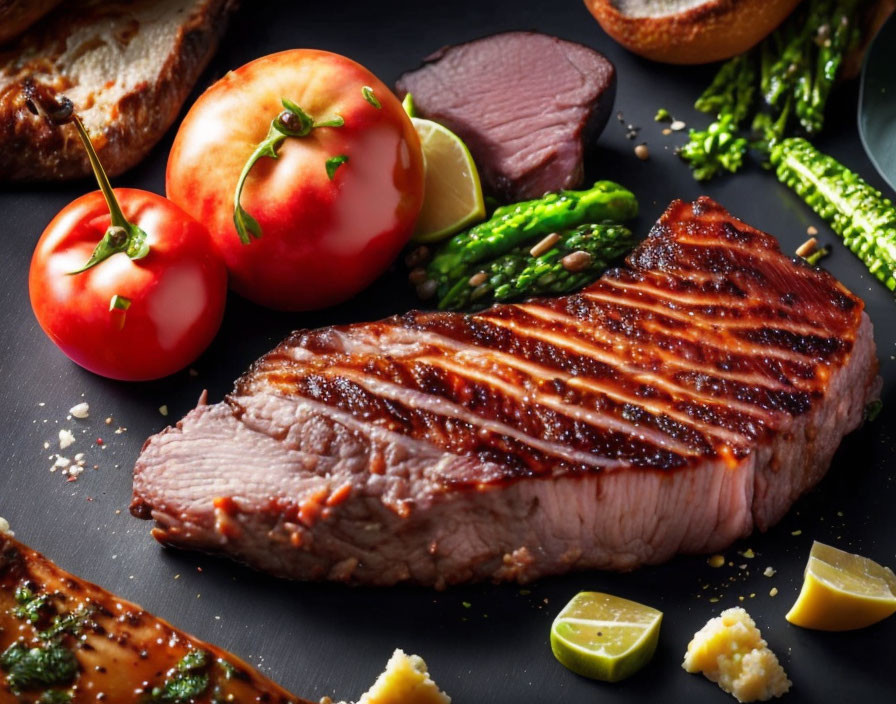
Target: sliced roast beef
526,104
673,406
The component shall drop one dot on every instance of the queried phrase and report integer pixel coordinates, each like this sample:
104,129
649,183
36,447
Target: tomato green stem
121,235
102,179
292,122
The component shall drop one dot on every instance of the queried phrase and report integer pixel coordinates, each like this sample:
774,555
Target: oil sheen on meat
675,405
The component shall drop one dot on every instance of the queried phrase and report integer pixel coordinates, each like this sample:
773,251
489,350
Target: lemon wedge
842,591
605,637
452,196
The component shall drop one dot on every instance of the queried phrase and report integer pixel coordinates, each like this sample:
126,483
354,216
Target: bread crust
123,124
18,15
712,31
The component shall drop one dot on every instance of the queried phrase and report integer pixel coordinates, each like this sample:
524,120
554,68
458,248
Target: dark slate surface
329,640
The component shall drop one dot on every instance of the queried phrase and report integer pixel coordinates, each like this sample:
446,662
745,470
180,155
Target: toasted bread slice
17,15
127,67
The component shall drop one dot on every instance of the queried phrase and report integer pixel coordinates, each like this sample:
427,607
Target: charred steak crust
527,105
673,406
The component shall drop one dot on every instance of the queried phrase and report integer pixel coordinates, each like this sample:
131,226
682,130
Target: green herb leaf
70,623
31,609
333,163
367,92
877,102
662,115
55,696
230,670
119,303
35,667
187,683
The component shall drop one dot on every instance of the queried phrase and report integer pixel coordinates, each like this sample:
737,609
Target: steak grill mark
712,348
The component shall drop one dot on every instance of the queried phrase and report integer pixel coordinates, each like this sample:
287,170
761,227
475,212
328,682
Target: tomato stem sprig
292,122
121,235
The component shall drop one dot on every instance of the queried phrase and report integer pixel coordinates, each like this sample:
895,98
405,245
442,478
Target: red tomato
322,240
170,302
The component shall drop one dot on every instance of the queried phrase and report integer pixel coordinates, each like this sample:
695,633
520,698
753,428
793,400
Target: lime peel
452,197
628,633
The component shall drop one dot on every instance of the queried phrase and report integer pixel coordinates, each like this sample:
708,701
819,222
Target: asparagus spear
562,262
792,70
514,225
855,210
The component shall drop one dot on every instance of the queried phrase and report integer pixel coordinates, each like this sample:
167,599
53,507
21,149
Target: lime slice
452,197
842,591
605,637
408,105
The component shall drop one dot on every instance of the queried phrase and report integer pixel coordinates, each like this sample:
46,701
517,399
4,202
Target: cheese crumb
163,410
404,681
716,561
4,527
769,571
730,651
81,410
66,438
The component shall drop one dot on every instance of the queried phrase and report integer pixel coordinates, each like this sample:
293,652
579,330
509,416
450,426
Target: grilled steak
526,104
60,635
673,406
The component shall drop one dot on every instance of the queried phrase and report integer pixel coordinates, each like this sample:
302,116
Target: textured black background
326,639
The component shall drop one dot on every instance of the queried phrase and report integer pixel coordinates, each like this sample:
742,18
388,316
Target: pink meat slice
675,405
526,104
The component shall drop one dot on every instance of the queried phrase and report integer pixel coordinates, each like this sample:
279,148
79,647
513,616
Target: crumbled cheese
730,651
404,681
769,571
163,410
60,463
716,561
677,125
4,527
81,410
773,591
66,438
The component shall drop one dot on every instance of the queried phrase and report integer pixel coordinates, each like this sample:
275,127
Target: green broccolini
715,148
784,84
586,250
514,225
855,210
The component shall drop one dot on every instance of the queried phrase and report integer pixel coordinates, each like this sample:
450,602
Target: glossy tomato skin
322,240
177,292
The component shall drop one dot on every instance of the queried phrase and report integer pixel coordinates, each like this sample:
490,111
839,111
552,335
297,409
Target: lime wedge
842,591
452,196
408,105
604,637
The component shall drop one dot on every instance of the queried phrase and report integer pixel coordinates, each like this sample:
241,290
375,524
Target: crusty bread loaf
689,31
17,15
126,66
